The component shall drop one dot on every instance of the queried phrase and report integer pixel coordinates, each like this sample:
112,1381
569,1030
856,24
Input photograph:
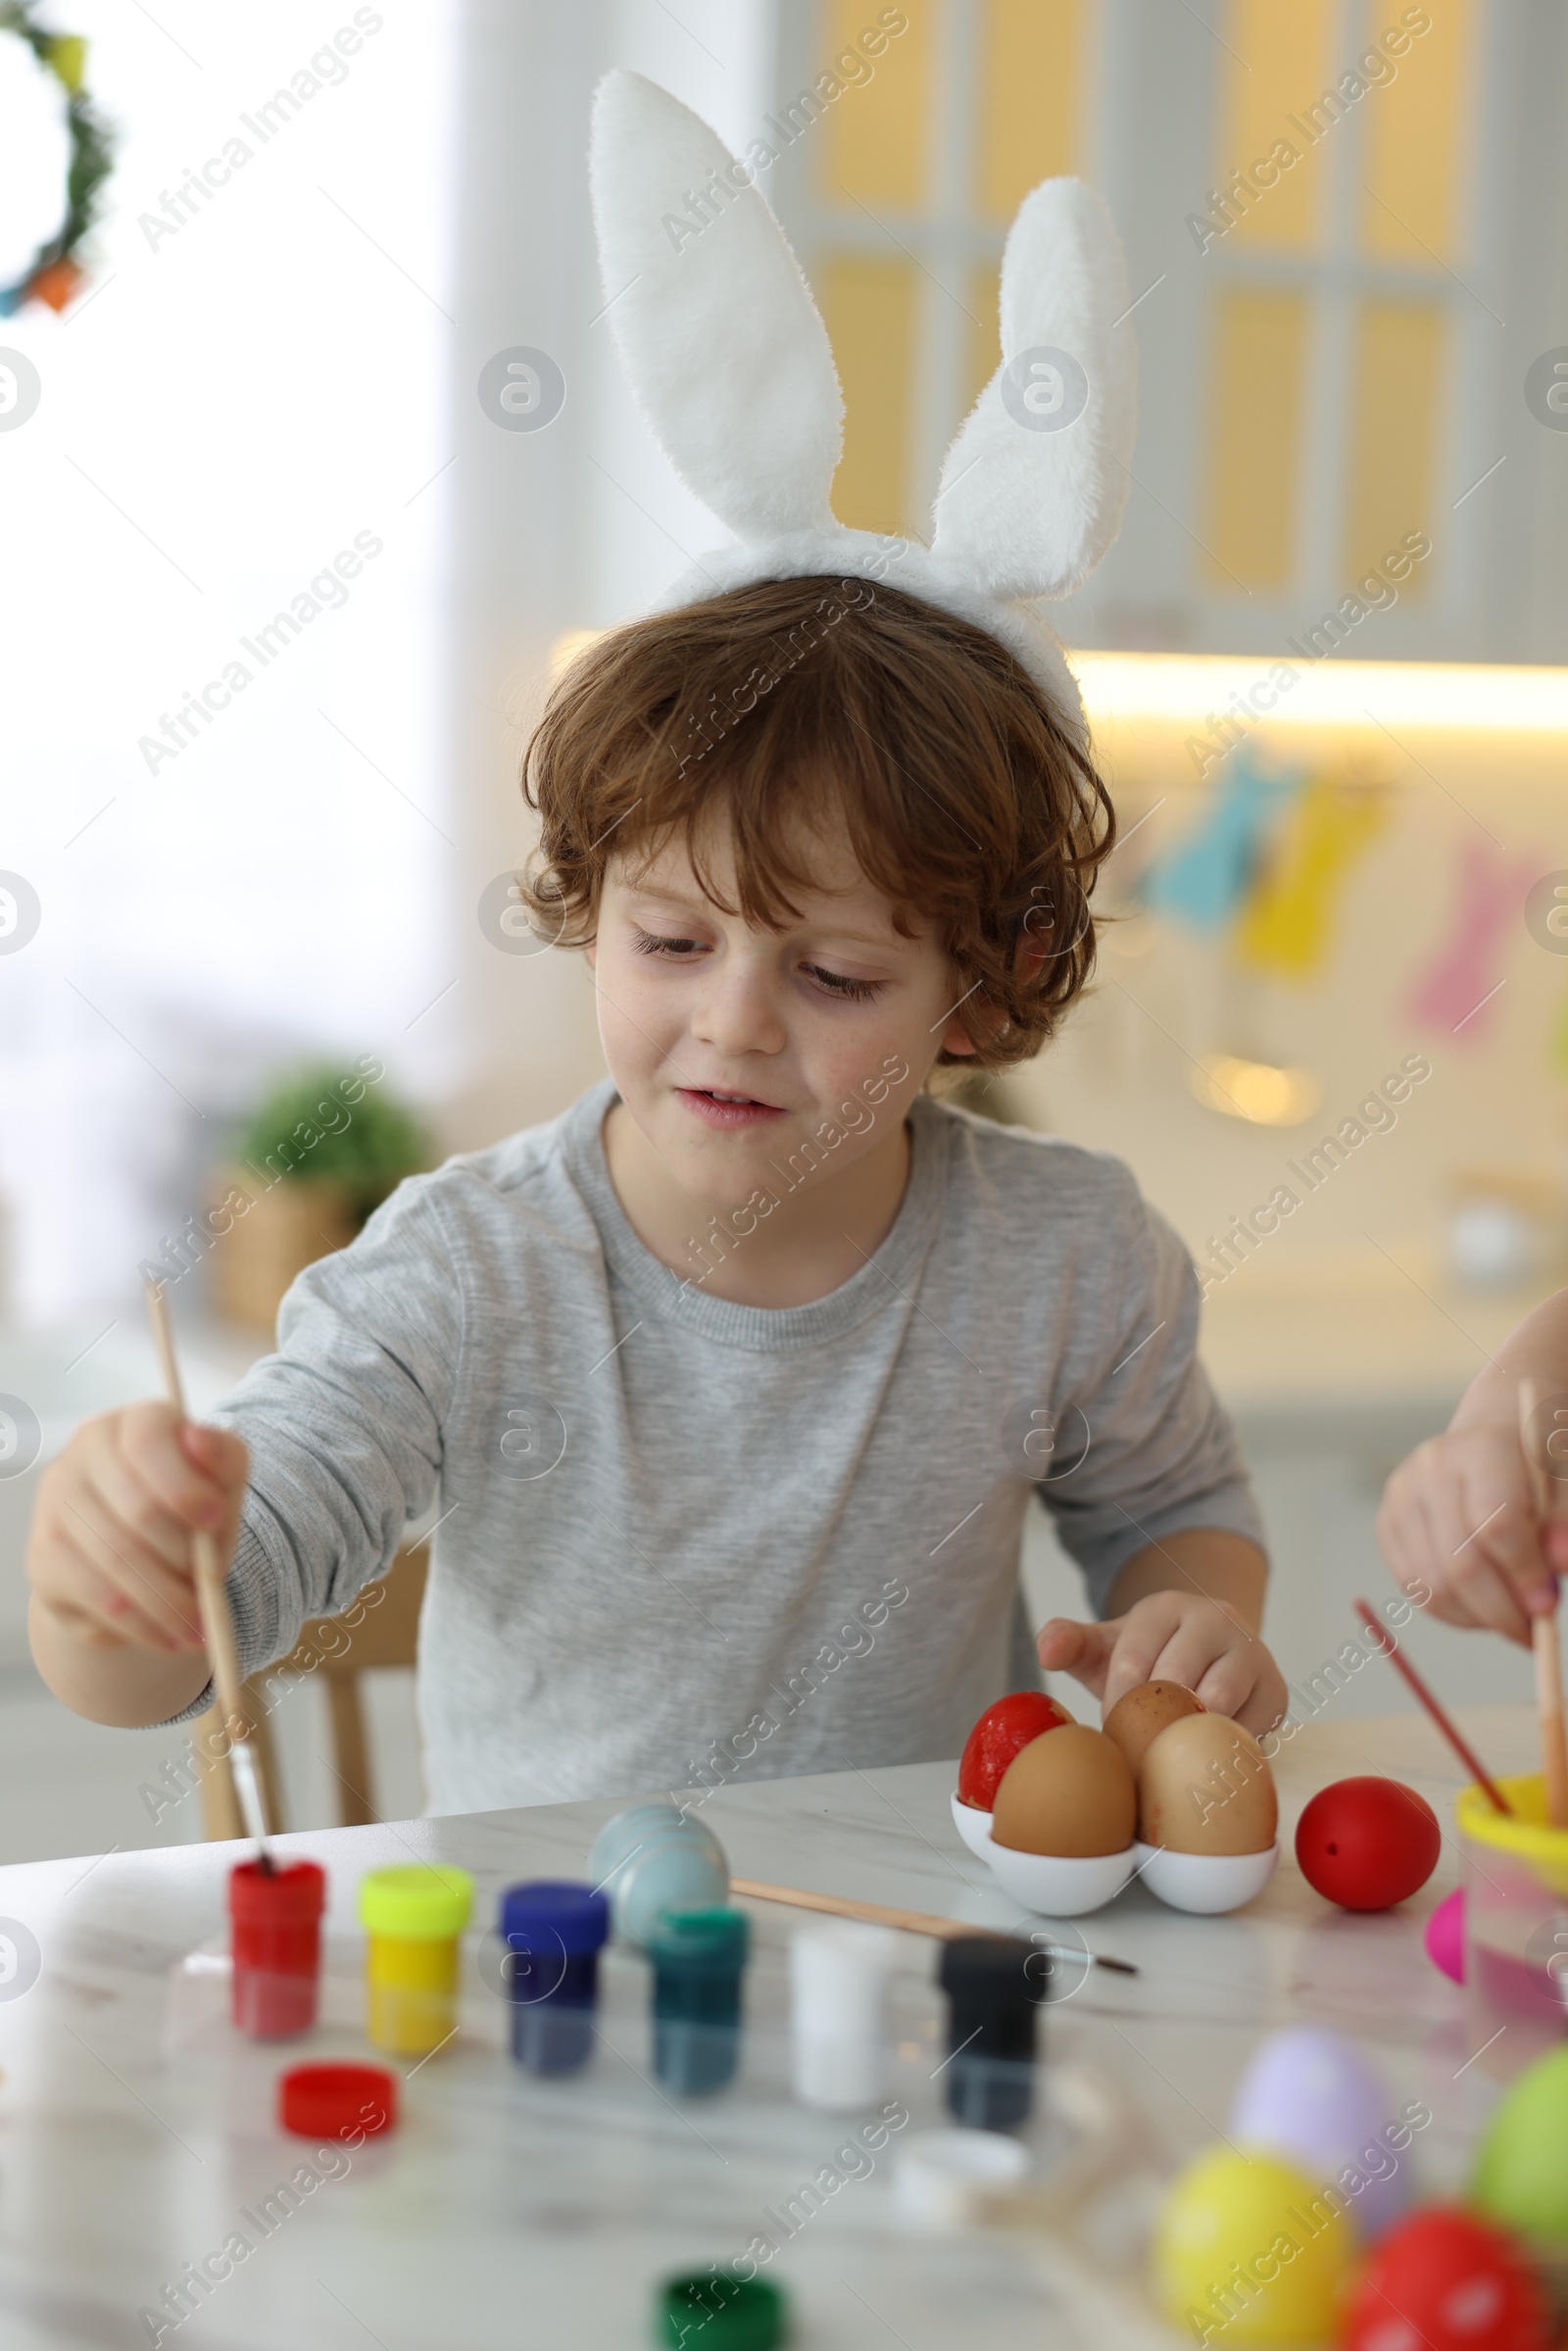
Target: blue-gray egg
653,1857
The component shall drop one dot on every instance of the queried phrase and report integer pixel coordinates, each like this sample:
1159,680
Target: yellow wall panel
1030,67
1394,415
1255,414
1416,141
1278,57
870,307
872,142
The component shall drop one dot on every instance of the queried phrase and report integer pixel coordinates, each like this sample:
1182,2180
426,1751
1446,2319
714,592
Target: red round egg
1003,1732
1442,2282
1367,1844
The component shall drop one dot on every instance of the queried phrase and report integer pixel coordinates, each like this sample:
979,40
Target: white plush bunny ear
724,349
1033,488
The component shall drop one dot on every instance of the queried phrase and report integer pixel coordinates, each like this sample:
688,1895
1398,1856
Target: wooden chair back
380,1628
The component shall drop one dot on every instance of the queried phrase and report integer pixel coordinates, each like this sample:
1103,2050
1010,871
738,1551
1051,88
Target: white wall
235,399
231,402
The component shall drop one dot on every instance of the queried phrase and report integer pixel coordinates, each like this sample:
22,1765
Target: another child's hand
1172,1637
109,1551
1458,1522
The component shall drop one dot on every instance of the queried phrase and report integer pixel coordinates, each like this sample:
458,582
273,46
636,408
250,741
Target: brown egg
1204,1787
1068,1791
1140,1715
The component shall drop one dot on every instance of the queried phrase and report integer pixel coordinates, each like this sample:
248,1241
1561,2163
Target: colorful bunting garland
1458,989
1268,860
1286,927
1206,878
55,274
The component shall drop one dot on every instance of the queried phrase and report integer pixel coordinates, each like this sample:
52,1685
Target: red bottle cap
337,2101
290,1897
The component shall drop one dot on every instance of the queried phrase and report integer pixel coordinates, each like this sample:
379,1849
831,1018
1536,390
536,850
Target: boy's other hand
109,1551
1457,1519
1171,1636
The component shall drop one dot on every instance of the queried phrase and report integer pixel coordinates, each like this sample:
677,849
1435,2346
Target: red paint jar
276,1921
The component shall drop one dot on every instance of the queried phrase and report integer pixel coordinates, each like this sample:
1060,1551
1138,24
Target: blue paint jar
698,1962
552,1933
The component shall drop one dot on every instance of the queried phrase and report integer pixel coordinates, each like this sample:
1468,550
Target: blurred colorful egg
1310,2095
1443,1935
1368,1843
636,1826
1444,2282
1069,1792
654,1857
1521,2173
1204,1787
1248,2250
1003,1732
1141,1714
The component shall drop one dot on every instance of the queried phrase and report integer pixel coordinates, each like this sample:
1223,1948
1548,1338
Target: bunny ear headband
727,355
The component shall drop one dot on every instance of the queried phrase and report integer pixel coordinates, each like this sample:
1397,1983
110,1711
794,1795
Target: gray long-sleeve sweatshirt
683,1540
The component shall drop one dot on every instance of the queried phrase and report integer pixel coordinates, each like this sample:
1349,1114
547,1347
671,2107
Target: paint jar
654,1857
552,1933
412,1917
699,1960
1515,1927
995,1985
839,1976
275,1938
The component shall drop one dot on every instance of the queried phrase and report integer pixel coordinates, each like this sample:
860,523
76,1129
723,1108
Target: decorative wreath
54,273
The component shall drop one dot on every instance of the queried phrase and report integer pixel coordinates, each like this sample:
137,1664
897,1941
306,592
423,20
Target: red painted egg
1367,1844
1003,1732
1442,2282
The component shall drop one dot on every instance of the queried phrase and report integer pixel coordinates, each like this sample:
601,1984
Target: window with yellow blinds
1333,229
915,171
1329,208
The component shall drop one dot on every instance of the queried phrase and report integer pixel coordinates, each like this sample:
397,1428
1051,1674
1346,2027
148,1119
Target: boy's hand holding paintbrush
111,1559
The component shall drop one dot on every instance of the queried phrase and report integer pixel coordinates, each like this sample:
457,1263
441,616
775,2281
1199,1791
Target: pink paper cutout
1458,992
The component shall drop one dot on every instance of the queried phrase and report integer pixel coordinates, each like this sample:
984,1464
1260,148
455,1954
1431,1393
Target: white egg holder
1070,1886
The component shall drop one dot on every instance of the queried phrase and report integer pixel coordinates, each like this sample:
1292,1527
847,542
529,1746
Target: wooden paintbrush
1450,1729
218,1623
1543,1630
907,1921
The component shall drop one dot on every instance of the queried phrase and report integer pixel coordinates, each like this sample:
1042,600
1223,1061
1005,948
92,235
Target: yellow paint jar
1516,1926
413,1918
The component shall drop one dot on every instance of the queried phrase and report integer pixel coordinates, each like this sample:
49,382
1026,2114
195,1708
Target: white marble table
503,2213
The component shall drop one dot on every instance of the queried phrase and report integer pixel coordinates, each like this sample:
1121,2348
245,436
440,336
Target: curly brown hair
780,706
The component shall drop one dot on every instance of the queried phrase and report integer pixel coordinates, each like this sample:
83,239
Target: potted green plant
323,1147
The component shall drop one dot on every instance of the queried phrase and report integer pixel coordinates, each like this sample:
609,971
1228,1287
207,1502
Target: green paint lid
720,2313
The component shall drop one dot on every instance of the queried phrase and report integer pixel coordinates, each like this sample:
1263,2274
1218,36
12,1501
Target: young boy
731,1384
1459,1516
